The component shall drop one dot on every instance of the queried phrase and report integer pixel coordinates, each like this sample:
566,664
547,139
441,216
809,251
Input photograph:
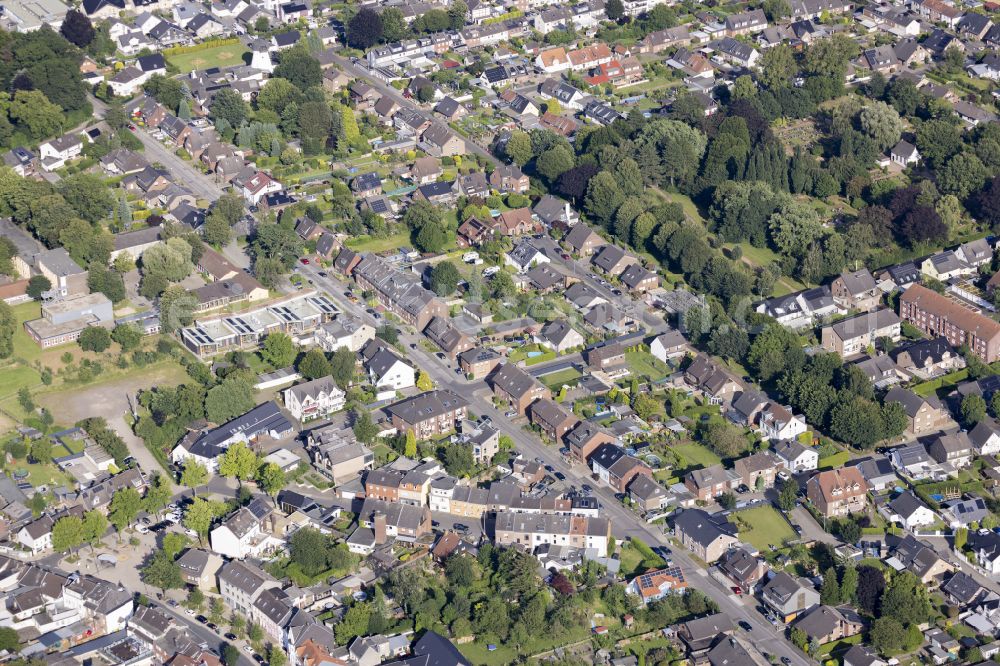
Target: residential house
935,315
316,399
638,279
704,535
906,509
856,291
985,437
924,414
583,241
668,345
838,492
612,465
708,483
478,362
964,512
743,568
913,461
757,471
559,336
55,153
509,178
555,212
428,414
445,335
247,532
400,292
517,388
584,438
745,23
387,370
736,52
878,472
852,336
338,453
533,530
927,359
657,584
199,568
788,597
647,494
525,255
826,624
708,378
953,451
904,154
553,420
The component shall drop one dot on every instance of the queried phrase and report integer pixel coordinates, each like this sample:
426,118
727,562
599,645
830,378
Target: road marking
702,572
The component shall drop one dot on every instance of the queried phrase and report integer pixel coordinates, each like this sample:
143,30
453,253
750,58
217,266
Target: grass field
763,527
557,379
834,461
369,244
696,454
226,55
646,365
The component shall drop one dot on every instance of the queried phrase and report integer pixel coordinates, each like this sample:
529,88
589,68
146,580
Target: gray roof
396,514
556,331
427,405
244,577
59,262
513,380
701,527
313,388
906,504
862,324
910,401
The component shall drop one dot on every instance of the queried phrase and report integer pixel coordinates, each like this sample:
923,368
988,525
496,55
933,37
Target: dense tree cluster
44,90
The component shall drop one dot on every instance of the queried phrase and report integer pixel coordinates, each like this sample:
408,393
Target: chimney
378,522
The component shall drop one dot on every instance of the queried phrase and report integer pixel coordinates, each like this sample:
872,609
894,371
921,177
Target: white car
491,271
191,533
142,529
173,518
190,611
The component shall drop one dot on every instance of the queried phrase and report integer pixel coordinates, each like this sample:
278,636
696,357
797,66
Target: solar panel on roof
379,206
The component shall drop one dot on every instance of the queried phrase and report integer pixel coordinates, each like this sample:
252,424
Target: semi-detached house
428,414
400,293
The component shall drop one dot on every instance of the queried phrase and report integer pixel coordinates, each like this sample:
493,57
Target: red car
131,127
304,260
738,591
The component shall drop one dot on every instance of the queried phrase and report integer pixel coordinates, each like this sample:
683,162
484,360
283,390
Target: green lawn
43,475
646,365
369,244
555,380
226,55
763,526
834,461
696,454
